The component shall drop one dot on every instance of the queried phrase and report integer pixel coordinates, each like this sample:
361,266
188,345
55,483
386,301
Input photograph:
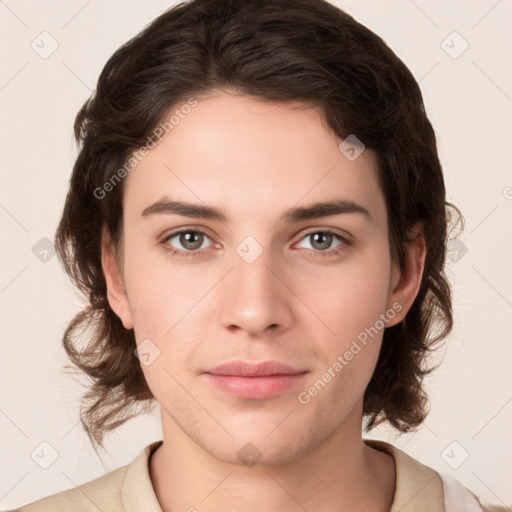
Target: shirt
129,488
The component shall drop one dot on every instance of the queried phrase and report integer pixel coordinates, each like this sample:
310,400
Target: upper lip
247,369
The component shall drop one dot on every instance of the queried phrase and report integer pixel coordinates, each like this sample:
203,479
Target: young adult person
257,217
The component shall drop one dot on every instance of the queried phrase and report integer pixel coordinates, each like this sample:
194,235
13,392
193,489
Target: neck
340,474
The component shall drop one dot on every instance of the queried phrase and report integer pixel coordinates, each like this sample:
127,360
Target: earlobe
406,282
116,292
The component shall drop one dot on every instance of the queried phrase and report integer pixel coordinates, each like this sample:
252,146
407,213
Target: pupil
325,236
189,240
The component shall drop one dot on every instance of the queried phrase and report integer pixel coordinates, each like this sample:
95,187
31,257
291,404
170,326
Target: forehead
253,158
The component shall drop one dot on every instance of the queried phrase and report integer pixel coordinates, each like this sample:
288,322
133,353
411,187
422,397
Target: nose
254,296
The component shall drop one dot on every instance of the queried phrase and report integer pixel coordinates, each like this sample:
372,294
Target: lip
254,381
246,369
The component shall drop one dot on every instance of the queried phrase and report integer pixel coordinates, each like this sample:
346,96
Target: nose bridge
255,297
252,264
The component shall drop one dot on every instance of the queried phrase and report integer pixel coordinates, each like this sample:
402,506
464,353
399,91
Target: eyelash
193,254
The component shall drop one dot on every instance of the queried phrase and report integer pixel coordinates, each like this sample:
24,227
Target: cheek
160,292
350,304
349,297
166,301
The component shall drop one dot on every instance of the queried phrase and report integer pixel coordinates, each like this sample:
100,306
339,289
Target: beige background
469,101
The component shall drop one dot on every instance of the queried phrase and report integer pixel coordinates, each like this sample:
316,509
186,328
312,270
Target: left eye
323,240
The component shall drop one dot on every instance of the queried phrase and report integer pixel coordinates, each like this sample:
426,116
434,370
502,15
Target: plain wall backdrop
51,55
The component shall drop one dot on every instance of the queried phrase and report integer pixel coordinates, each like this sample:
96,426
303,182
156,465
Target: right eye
190,239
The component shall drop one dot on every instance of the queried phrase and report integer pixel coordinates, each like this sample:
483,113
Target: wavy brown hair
277,51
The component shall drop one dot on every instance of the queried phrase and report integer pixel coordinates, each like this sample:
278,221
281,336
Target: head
253,108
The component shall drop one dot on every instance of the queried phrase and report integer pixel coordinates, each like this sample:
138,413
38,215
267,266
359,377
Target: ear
116,292
406,282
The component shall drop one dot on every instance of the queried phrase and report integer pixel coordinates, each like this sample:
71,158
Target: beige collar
418,487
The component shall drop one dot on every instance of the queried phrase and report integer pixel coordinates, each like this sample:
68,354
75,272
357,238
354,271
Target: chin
253,453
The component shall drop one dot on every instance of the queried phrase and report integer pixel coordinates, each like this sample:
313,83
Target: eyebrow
296,214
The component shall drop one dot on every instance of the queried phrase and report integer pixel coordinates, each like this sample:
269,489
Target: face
256,282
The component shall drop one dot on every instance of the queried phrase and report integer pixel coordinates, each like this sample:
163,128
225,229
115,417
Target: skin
255,159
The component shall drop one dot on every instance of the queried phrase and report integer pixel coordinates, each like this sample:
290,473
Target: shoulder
457,497
129,485
421,488
102,493
495,508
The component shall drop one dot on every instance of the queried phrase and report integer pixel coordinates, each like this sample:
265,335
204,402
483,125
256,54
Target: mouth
254,381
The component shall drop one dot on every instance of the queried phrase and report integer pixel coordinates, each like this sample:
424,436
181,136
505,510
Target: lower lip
255,387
